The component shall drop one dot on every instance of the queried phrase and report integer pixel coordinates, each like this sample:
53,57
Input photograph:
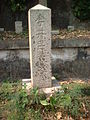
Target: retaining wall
70,59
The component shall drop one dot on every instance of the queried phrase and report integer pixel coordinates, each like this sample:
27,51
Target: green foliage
8,97
81,9
35,96
17,5
68,100
22,100
6,91
23,106
65,100
49,104
75,93
44,102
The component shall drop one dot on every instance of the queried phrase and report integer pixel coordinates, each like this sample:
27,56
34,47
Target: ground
64,34
72,103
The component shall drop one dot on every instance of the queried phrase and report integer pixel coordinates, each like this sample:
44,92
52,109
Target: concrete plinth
49,90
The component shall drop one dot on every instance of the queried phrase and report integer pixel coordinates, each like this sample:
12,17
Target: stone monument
40,46
18,27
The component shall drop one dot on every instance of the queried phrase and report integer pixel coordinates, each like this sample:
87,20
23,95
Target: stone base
55,86
55,32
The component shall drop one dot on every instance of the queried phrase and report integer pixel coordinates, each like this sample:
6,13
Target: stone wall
70,59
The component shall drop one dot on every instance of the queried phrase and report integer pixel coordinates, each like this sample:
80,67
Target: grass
72,102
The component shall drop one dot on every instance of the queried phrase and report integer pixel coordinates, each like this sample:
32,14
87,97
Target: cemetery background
61,13
70,50
70,56
72,99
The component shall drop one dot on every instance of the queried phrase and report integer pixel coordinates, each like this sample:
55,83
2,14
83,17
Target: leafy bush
17,5
81,9
5,91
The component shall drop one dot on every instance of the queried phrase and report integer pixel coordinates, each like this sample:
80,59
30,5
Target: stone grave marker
1,29
18,27
40,46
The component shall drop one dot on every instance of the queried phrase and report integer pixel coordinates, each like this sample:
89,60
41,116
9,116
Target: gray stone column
40,46
43,2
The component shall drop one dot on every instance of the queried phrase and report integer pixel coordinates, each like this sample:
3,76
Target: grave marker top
40,7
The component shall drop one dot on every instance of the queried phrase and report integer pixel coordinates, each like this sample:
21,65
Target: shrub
16,5
81,9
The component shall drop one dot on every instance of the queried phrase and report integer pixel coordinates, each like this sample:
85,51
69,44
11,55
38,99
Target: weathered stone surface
64,54
78,69
1,29
58,43
88,51
70,59
18,27
71,28
14,44
40,45
14,69
14,64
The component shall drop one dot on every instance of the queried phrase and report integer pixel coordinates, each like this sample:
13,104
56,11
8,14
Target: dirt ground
63,34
